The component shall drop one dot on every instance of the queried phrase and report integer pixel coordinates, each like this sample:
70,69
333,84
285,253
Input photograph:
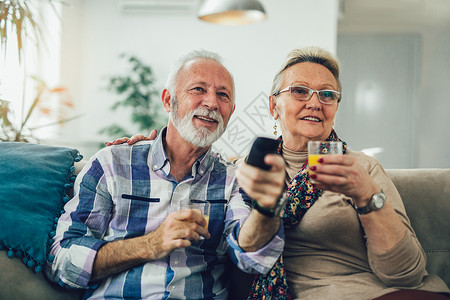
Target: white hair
172,79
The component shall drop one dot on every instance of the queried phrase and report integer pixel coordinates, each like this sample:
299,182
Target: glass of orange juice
202,206
317,149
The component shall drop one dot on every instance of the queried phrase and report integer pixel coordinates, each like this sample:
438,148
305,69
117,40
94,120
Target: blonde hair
308,54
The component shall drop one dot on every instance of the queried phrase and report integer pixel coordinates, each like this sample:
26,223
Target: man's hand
177,231
134,139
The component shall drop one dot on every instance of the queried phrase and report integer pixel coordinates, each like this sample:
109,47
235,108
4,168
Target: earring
275,129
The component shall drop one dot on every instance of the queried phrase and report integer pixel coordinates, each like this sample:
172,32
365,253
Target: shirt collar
158,155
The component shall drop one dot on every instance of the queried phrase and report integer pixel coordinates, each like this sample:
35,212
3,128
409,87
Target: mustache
210,113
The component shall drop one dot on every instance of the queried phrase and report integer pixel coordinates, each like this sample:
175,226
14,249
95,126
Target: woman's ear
165,99
334,119
273,107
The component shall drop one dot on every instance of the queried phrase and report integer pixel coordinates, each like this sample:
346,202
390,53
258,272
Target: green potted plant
137,92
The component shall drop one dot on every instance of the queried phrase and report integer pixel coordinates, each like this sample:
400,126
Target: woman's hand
263,186
343,174
134,139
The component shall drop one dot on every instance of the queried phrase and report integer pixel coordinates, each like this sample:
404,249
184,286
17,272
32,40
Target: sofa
425,192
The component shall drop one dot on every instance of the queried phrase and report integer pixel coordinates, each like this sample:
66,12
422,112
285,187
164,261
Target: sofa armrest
426,196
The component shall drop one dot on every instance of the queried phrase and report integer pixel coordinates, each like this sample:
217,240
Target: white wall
380,95
95,32
431,123
433,119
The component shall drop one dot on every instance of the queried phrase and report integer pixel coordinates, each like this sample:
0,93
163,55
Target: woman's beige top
326,256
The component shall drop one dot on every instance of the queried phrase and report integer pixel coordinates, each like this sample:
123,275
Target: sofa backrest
426,196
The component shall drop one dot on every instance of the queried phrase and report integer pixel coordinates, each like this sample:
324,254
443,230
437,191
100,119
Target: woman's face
303,121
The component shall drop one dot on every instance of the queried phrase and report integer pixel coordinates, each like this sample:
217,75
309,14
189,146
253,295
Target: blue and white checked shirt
127,191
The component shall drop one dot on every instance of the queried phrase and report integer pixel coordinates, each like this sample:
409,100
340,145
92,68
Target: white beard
197,136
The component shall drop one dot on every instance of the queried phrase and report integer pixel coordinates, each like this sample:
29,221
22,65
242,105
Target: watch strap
363,210
271,212
268,212
368,208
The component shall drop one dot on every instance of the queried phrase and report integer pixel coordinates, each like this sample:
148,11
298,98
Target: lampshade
231,12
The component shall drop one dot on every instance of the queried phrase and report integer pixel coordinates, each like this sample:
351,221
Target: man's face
204,102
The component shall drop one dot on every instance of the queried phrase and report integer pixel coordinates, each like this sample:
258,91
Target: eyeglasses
304,93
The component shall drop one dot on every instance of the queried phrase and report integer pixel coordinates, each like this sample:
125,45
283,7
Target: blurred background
94,70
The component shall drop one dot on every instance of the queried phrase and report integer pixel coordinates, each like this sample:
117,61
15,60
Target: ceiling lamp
231,12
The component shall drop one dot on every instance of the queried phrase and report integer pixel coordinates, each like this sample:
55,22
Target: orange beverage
207,221
312,161
317,149
204,216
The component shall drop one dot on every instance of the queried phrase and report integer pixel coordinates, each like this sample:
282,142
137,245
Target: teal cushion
34,181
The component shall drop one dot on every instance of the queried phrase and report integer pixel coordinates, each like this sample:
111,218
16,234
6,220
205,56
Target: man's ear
166,100
272,107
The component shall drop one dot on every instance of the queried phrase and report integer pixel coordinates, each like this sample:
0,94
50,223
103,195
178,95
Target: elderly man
122,236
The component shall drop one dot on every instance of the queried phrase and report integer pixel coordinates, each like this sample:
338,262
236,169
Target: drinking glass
201,206
317,149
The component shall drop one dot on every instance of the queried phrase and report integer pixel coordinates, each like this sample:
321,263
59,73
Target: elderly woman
347,235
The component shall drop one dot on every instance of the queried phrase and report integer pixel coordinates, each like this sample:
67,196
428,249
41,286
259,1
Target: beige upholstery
17,282
425,193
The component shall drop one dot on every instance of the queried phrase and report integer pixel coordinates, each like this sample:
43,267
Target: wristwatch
271,212
376,203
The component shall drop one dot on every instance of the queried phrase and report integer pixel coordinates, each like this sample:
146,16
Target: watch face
377,201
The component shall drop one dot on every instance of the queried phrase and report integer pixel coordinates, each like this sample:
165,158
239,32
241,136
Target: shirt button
155,167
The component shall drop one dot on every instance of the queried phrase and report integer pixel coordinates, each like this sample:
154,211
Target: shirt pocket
139,198
134,213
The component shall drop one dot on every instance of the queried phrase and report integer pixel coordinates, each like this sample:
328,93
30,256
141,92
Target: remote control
262,146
